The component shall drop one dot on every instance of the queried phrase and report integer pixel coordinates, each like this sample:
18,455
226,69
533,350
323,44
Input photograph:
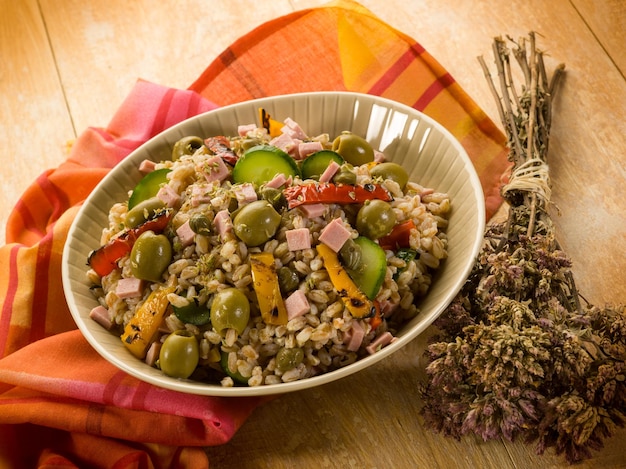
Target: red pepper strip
104,259
220,146
399,236
328,193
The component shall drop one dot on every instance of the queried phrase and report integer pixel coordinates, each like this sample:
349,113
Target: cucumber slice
371,272
261,163
148,186
315,164
235,375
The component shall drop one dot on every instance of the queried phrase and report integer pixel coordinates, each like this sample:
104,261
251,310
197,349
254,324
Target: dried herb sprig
517,353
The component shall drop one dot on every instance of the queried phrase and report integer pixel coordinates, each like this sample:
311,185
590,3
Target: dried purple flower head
516,352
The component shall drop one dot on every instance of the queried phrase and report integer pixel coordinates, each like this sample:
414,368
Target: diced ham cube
379,342
153,353
223,223
185,234
245,193
129,287
168,196
379,156
335,234
293,129
101,315
313,210
147,166
295,151
243,130
307,148
278,181
297,305
387,308
201,194
299,238
215,169
355,336
285,142
329,172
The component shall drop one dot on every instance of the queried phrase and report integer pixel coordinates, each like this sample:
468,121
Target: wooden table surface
68,64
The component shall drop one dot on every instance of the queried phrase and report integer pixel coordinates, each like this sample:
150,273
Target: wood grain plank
355,423
607,21
102,48
34,120
371,420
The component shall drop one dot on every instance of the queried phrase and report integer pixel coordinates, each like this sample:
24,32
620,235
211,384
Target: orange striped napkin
60,403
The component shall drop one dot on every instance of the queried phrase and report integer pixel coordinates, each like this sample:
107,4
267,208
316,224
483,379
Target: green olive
256,222
345,175
179,354
375,219
186,146
289,358
233,204
353,148
393,171
200,224
230,310
143,211
350,254
288,280
274,197
150,256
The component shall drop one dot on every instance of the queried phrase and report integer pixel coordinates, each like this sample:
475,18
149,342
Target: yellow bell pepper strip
265,282
141,329
359,305
273,127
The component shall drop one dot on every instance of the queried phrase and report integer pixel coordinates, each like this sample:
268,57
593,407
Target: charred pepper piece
143,326
329,193
104,259
359,305
267,288
220,146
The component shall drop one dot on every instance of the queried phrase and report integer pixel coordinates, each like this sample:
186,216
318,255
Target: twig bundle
518,354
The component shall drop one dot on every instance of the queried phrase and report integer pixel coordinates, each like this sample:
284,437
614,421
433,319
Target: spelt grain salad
266,257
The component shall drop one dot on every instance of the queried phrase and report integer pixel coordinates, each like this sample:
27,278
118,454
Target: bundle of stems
519,352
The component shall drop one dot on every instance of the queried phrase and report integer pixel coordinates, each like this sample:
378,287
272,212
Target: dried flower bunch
518,354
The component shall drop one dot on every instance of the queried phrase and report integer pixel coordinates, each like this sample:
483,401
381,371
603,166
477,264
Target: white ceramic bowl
431,155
